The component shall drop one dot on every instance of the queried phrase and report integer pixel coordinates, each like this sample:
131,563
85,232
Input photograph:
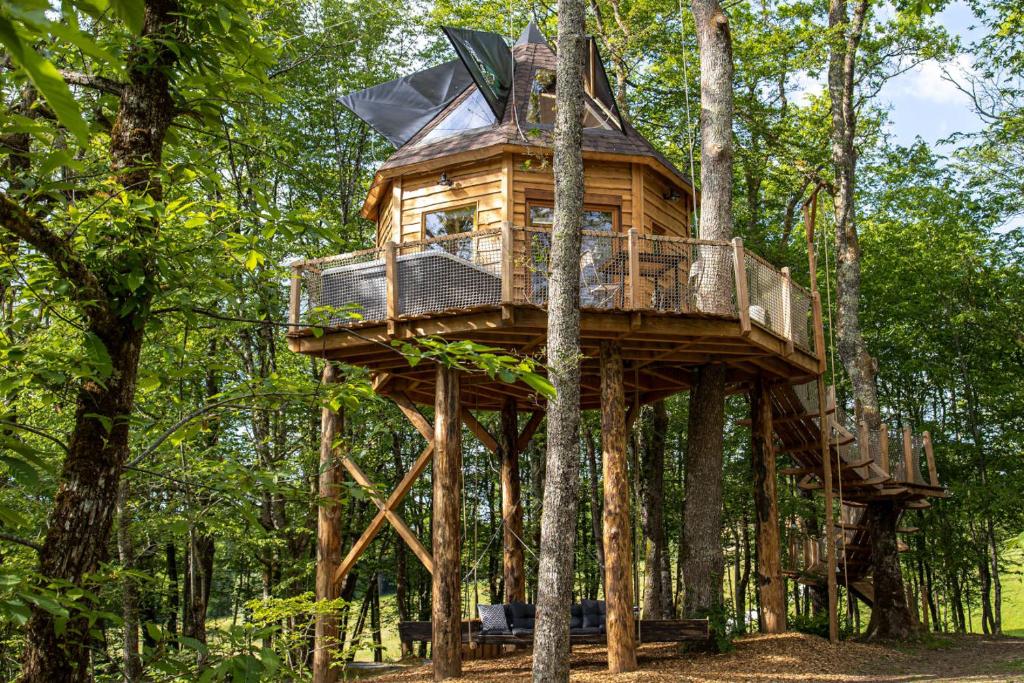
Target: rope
832,363
689,125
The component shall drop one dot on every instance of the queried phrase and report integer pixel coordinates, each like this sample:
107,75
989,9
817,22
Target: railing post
787,310
864,441
391,284
739,262
507,256
295,299
883,448
933,474
908,454
819,331
634,269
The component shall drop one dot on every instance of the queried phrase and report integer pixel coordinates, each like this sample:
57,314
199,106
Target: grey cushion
576,617
593,613
523,616
522,631
492,618
581,631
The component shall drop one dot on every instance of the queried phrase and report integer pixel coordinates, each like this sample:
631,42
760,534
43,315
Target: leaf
24,473
47,80
254,259
132,13
539,384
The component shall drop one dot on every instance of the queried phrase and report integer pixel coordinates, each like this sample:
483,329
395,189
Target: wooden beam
380,518
742,295
446,611
295,299
529,430
414,416
635,278
933,474
617,535
328,538
908,453
391,285
787,310
479,431
819,331
771,587
397,522
883,448
507,263
513,566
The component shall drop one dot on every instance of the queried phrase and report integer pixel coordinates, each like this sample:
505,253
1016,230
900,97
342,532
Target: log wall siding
673,216
478,183
490,183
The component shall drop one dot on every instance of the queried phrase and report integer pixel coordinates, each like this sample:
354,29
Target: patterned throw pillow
492,617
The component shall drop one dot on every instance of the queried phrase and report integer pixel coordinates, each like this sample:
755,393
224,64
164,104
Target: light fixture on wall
444,180
672,195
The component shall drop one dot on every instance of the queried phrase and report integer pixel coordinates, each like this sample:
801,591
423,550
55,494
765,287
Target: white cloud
930,81
806,88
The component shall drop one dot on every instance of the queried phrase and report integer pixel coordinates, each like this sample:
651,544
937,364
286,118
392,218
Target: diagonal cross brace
386,508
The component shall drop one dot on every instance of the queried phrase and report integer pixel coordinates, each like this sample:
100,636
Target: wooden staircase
862,472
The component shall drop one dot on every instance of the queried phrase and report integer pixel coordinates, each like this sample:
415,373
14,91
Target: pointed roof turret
532,35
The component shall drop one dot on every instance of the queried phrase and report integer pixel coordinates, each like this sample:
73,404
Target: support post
294,299
830,528
391,284
328,540
447,608
933,474
770,585
787,309
908,454
511,509
883,448
507,258
635,284
618,553
739,264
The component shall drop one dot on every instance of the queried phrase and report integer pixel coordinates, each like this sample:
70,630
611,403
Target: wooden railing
509,266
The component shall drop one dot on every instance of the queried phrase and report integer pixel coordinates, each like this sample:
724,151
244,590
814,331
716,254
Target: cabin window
471,114
541,107
449,221
599,219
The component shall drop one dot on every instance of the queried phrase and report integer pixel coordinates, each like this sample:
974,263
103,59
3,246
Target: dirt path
788,657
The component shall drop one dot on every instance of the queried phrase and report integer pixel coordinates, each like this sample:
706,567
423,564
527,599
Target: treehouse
464,213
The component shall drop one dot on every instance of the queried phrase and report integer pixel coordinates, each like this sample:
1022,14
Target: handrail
628,271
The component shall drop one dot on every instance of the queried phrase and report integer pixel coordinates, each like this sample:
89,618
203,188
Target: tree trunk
199,578
328,546
595,503
78,527
173,600
652,519
620,626
891,620
447,613
703,561
511,506
558,515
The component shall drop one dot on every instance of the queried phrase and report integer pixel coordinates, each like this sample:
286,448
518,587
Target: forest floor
786,657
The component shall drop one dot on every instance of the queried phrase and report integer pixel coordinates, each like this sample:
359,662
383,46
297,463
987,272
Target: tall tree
558,517
890,617
703,560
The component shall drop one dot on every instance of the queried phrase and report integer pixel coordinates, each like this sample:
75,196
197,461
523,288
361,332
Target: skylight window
472,113
541,107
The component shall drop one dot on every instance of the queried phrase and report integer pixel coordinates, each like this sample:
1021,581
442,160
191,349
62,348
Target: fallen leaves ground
786,657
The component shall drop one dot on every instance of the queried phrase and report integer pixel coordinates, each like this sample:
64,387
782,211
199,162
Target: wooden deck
673,303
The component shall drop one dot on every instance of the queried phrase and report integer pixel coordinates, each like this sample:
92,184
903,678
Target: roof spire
532,34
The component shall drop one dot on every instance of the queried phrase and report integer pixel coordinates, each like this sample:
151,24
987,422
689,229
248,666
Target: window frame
615,211
461,205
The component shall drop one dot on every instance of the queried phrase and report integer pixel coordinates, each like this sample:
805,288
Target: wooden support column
617,547
883,448
908,454
739,266
770,584
447,608
328,539
929,452
511,508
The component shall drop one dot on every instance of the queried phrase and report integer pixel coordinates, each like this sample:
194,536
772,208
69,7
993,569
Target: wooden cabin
464,212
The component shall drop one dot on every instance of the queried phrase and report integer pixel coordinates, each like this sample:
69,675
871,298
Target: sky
922,101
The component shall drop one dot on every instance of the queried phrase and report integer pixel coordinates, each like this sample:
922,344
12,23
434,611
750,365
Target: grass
1013,595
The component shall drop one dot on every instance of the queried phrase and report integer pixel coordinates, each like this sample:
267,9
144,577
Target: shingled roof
530,53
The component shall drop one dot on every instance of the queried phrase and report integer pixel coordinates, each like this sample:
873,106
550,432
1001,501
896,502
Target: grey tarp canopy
400,108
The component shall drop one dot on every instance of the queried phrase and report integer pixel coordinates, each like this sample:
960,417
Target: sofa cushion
522,632
576,617
492,619
593,613
584,631
523,615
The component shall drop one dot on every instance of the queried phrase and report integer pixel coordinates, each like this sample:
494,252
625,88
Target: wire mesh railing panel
801,313
343,290
764,288
449,273
533,264
711,285
604,271
917,449
897,463
664,265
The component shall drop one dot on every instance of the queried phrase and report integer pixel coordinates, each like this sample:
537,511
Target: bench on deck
586,627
